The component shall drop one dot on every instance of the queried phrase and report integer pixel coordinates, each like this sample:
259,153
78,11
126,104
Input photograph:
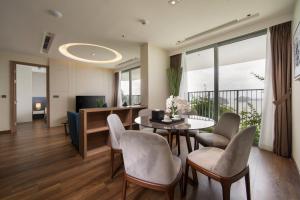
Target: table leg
178,142
170,138
188,141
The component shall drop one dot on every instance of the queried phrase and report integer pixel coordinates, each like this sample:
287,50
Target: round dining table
187,124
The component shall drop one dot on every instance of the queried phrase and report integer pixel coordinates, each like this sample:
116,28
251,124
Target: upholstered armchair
74,127
148,113
149,162
116,130
225,129
226,166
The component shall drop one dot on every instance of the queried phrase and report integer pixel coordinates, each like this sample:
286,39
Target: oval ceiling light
63,49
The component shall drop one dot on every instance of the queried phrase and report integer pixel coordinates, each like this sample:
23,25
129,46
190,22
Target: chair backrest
74,127
236,155
147,156
116,130
145,113
228,125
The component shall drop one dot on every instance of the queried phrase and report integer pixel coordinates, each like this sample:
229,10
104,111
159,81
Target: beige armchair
149,162
148,113
116,130
225,129
226,166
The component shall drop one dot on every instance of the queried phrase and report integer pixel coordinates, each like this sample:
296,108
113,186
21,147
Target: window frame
215,47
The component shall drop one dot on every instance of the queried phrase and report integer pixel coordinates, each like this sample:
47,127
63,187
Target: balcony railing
135,99
238,101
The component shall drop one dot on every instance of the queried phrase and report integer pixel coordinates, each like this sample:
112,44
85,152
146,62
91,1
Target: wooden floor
39,163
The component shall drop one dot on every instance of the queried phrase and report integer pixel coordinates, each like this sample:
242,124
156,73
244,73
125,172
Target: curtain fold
281,48
267,128
175,61
183,90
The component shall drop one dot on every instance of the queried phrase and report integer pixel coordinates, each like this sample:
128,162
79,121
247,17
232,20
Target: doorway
29,95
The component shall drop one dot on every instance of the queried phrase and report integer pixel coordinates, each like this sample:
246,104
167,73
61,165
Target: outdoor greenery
174,79
205,107
251,118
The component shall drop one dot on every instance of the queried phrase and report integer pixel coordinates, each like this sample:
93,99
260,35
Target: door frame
13,92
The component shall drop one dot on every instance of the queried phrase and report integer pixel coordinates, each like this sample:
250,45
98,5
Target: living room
101,58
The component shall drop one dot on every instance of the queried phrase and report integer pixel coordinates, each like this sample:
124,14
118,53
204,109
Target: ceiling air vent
129,62
47,41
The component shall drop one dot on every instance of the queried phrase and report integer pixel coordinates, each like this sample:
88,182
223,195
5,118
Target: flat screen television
88,102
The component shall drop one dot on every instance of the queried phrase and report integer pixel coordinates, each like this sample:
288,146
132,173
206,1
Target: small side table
66,128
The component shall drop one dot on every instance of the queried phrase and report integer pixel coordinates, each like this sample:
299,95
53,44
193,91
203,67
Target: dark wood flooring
39,163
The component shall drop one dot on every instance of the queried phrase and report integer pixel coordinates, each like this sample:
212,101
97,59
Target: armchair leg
186,176
247,181
170,194
226,190
178,143
112,160
124,188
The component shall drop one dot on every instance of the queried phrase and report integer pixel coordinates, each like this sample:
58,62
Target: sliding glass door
228,77
201,86
131,86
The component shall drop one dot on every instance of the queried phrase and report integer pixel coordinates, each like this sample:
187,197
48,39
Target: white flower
177,103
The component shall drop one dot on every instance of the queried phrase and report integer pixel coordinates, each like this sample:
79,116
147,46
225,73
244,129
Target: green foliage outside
251,118
205,107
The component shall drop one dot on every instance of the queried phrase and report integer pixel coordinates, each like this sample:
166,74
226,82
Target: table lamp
38,106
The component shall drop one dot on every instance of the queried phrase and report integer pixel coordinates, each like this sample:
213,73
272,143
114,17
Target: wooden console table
94,133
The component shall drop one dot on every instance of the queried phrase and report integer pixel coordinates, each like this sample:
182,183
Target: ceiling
103,22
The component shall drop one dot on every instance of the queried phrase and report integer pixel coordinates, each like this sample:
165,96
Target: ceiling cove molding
231,33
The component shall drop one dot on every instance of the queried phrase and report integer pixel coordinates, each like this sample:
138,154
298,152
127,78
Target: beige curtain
175,61
281,47
116,88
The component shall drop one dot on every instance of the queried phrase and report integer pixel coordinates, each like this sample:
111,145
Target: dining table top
188,122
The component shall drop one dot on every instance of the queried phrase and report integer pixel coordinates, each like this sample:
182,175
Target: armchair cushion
147,156
212,139
206,157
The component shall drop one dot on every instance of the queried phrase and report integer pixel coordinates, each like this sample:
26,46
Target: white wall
39,84
68,79
24,94
296,100
154,84
5,57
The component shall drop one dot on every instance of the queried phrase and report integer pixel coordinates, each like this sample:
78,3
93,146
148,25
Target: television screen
89,102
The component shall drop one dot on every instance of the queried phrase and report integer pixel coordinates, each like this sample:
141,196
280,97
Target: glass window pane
136,86
125,87
241,80
200,76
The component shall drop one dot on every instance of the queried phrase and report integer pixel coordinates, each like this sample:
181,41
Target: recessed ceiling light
55,13
93,54
173,2
63,49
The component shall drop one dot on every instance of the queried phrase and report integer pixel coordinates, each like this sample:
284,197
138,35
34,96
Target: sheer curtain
183,90
267,129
